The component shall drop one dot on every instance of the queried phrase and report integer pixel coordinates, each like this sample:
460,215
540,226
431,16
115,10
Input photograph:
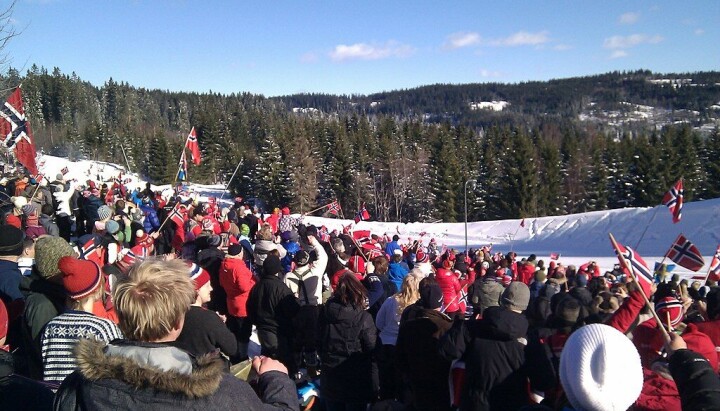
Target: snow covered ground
577,237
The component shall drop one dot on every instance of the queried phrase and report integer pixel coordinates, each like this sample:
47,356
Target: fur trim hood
95,362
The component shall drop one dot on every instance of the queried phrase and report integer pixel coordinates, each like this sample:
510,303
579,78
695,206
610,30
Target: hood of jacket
501,324
336,312
153,366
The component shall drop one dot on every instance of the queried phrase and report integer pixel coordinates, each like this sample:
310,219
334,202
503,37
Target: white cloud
629,18
521,38
699,32
626,42
365,51
618,54
460,40
562,47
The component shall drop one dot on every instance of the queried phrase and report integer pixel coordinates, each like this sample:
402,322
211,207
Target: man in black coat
493,349
272,307
696,381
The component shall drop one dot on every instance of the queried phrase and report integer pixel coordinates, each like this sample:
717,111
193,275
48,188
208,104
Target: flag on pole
714,270
683,252
673,200
178,214
637,264
93,250
192,144
362,214
16,133
64,171
334,208
554,256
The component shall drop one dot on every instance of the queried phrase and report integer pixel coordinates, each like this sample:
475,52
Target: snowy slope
578,237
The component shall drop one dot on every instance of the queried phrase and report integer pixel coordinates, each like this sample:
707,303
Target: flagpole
231,179
317,209
126,159
640,288
167,218
657,207
512,242
180,159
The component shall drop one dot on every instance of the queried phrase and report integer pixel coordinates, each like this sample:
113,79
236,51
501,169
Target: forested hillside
407,154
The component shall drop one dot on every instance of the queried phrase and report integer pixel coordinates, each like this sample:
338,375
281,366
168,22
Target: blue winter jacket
291,247
397,273
152,222
391,247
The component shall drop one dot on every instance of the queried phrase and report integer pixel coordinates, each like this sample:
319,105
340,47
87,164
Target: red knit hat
286,211
142,239
3,320
80,277
421,256
199,276
128,257
669,306
13,220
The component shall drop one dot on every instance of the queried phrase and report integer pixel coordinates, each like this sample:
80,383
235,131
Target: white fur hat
600,369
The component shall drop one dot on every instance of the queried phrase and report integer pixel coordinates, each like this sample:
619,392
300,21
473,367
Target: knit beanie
272,266
19,202
431,296
669,307
112,227
600,369
301,258
29,209
214,241
104,212
48,252
80,277
516,296
11,240
421,256
199,276
129,257
13,220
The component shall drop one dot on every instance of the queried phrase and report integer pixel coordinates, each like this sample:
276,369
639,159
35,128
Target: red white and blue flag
192,144
673,200
362,214
65,170
640,271
15,131
93,250
714,270
178,214
334,208
685,254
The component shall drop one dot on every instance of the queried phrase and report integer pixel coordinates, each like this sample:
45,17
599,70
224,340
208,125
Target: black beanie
11,240
431,296
234,249
272,266
302,258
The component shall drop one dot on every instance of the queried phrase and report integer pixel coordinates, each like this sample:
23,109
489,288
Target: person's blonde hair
153,299
409,293
265,233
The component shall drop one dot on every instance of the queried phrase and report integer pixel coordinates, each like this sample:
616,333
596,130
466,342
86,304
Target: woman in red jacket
237,280
449,283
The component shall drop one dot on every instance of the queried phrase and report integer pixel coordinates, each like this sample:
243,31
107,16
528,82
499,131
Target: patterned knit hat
104,212
112,227
672,307
80,277
198,275
421,256
128,257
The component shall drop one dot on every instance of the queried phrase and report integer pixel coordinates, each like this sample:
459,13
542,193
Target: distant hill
619,100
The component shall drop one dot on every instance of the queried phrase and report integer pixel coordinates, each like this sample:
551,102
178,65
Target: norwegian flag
192,144
37,177
64,171
178,214
324,235
714,271
361,235
640,269
463,301
16,133
334,208
673,200
93,250
685,254
554,256
362,214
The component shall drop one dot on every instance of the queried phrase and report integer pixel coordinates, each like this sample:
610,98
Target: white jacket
311,276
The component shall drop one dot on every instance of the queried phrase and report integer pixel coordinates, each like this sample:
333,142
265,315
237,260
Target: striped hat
672,307
198,275
80,277
129,256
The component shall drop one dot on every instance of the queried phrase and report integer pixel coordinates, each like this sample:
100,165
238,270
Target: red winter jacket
237,280
591,274
658,393
526,273
450,286
712,330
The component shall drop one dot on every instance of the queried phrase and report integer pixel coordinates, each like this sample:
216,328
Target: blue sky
344,47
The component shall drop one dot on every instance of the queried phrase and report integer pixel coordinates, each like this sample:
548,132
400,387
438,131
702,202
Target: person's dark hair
396,237
350,291
596,285
47,209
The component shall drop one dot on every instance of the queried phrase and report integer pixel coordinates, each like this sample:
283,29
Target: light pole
466,186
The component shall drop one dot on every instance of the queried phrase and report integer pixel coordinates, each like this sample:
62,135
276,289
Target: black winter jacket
271,306
347,337
494,353
130,378
697,383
